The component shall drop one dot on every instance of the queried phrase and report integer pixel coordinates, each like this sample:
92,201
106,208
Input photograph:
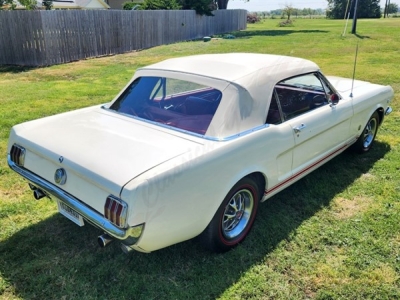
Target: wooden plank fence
42,38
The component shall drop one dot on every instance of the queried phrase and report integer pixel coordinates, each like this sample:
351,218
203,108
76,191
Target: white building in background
80,4
83,4
70,4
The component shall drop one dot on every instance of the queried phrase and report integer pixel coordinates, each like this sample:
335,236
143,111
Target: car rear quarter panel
178,199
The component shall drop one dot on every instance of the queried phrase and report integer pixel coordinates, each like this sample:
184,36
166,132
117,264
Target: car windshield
177,103
308,81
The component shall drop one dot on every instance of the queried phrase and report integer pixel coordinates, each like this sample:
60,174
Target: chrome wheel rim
237,214
369,133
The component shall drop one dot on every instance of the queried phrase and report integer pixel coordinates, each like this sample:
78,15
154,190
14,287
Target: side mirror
334,99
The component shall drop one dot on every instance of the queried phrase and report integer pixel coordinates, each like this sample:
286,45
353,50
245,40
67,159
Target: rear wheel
367,137
234,218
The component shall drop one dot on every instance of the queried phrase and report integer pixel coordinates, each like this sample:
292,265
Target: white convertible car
192,145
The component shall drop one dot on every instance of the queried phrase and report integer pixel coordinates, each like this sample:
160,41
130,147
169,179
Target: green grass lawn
333,235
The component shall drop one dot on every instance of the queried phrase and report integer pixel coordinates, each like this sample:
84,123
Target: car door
320,128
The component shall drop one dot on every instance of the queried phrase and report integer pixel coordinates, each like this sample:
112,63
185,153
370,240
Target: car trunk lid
100,150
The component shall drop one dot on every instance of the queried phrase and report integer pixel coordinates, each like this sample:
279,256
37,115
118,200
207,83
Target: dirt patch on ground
347,208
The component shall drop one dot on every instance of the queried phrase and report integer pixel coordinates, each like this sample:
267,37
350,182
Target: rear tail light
115,210
17,154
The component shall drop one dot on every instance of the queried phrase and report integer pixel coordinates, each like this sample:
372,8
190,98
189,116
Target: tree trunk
222,4
385,10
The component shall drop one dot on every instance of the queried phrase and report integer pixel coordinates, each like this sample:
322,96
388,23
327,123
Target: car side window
297,95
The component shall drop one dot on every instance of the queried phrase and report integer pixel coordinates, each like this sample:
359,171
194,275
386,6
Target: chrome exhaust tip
38,194
104,240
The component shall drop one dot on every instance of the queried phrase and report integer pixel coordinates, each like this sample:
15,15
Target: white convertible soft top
245,79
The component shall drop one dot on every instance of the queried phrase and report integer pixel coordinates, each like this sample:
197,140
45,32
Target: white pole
348,17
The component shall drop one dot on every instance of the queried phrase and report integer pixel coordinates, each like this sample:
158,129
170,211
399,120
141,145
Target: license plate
70,213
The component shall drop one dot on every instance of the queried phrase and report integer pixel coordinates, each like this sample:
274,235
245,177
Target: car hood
344,85
100,145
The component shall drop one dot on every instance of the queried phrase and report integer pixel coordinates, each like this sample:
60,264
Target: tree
161,5
48,4
253,18
264,14
392,8
222,4
366,9
277,12
288,10
29,4
202,7
132,5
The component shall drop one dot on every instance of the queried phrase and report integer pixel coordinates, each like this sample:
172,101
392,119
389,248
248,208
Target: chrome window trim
206,137
326,81
278,102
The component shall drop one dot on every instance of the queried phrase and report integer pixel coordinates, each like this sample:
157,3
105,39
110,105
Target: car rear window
177,103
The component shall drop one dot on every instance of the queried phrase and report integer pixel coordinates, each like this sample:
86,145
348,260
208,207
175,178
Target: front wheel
234,218
367,137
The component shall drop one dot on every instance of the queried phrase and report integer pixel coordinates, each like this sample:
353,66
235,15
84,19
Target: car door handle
299,128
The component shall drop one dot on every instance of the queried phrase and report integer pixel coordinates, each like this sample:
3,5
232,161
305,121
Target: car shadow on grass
276,32
55,259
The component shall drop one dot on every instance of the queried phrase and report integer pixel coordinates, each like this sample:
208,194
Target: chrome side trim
206,137
87,213
246,132
388,110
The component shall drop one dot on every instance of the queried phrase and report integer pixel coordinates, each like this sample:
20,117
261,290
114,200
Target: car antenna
354,72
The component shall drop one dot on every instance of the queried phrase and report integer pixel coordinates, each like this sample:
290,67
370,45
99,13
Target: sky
267,5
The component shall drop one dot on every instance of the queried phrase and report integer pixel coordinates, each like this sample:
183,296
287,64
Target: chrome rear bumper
93,217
